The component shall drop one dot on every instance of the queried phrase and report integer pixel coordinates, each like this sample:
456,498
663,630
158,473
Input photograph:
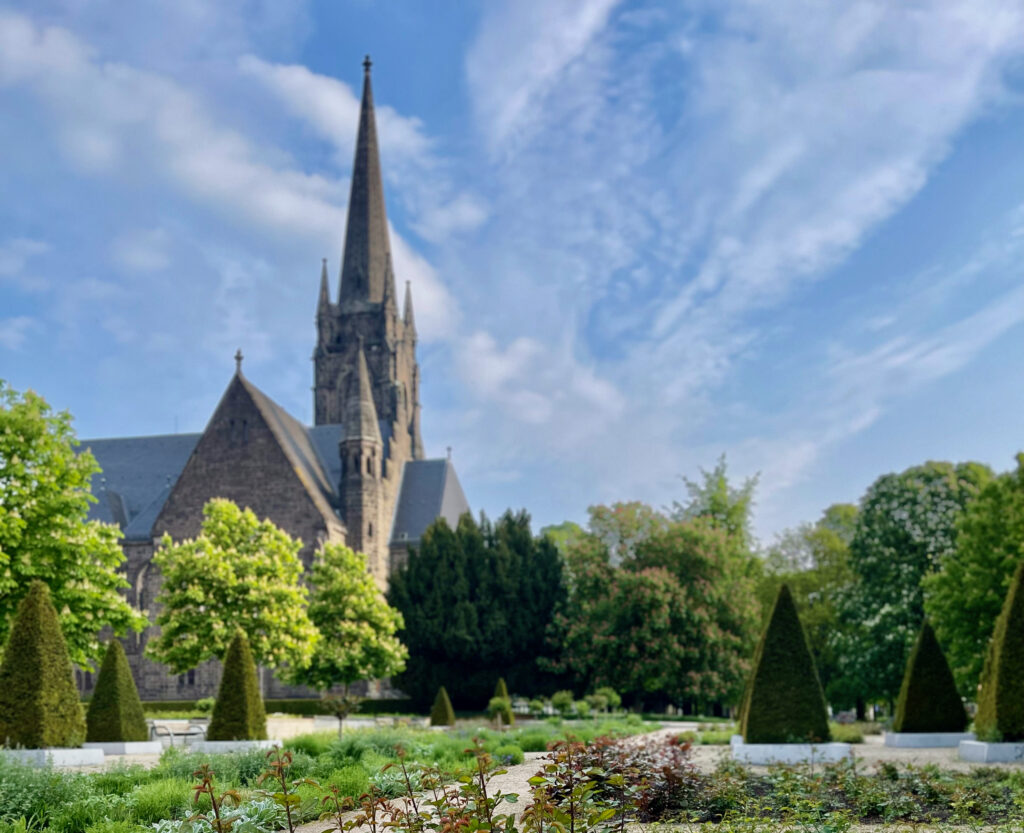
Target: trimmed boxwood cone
928,701
115,711
39,704
785,703
442,713
1001,698
239,713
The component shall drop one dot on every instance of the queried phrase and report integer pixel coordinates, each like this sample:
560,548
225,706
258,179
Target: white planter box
762,754
980,752
57,756
926,740
218,746
130,747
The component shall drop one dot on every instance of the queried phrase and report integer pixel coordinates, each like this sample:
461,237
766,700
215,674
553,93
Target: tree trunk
862,711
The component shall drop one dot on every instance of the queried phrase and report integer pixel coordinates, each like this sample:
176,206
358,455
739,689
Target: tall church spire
366,266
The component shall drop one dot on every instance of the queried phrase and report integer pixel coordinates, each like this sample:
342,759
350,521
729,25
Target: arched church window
369,465
369,530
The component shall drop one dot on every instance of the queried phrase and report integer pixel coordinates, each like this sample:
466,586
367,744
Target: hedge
442,713
39,705
115,711
785,703
239,713
928,701
306,707
1001,699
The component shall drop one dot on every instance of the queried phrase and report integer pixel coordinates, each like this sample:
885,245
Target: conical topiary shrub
1001,698
115,711
239,713
39,704
785,703
442,713
502,709
928,701
501,690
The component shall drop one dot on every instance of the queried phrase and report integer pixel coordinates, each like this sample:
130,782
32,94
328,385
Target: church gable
253,453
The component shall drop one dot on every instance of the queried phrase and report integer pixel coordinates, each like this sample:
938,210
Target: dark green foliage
501,690
115,711
928,700
39,704
442,713
785,703
1001,699
238,713
477,602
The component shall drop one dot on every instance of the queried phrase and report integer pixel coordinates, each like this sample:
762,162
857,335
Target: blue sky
639,235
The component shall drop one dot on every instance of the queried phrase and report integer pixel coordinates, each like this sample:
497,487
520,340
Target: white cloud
16,252
142,250
15,331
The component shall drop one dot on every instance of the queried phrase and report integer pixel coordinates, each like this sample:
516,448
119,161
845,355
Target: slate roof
429,489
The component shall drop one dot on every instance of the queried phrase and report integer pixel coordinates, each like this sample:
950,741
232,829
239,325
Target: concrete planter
763,754
926,740
131,747
219,746
980,752
57,756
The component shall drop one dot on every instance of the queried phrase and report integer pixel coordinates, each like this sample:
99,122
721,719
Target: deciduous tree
44,531
238,573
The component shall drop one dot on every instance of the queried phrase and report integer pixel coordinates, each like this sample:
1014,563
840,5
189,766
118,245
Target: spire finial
367,63
238,360
449,452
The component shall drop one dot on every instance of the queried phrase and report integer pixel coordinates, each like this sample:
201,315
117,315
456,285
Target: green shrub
785,702
39,703
442,713
846,732
611,696
351,780
115,711
500,708
205,705
929,701
500,689
36,794
508,755
563,702
1001,698
536,708
314,744
120,826
238,713
164,799
583,708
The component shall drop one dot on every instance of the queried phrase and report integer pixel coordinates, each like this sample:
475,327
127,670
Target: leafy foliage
784,702
928,700
39,704
1001,697
964,597
906,528
115,711
724,506
477,602
357,626
239,713
442,713
44,531
239,572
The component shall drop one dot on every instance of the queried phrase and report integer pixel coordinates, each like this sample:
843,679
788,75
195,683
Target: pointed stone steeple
410,319
366,266
361,414
324,304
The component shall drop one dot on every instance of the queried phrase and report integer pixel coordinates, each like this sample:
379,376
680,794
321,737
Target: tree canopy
906,528
238,573
964,597
44,531
356,624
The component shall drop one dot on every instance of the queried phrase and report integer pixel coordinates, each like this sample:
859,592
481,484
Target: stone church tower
365,372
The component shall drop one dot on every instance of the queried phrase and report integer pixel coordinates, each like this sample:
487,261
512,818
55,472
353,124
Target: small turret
361,414
409,318
323,307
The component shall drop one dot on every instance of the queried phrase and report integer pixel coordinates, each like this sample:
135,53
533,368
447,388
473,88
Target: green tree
477,602
39,704
622,527
964,597
356,624
239,572
906,528
564,533
238,713
727,507
115,712
44,531
784,702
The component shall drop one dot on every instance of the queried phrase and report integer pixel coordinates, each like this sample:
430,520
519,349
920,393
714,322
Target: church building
358,475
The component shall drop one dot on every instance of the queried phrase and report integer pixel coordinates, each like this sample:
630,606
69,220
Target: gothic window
369,465
369,530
